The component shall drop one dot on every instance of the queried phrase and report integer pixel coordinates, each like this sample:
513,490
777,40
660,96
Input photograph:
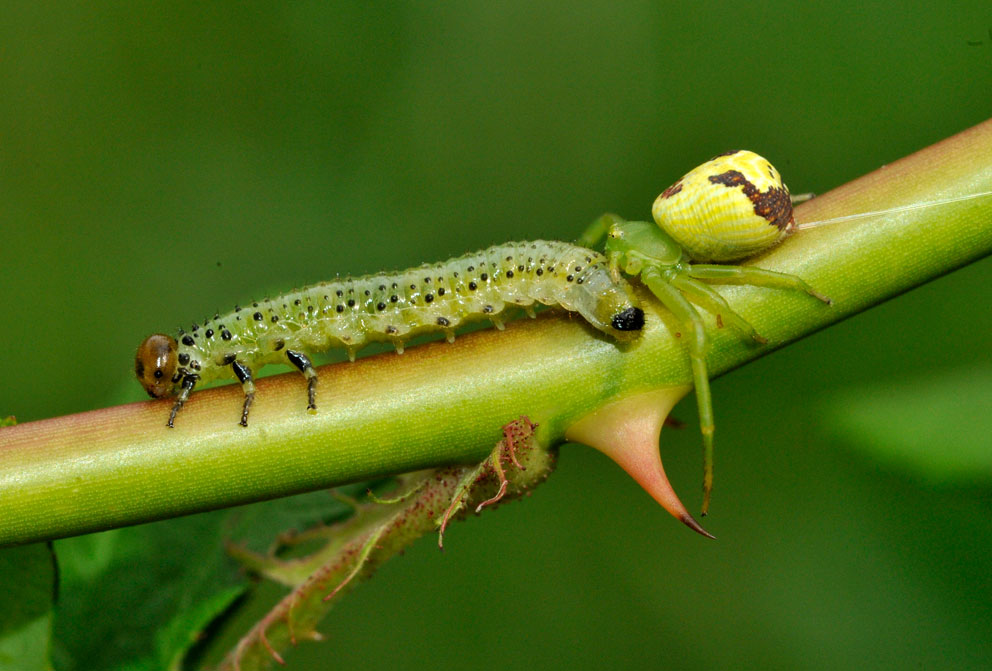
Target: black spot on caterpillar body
391,307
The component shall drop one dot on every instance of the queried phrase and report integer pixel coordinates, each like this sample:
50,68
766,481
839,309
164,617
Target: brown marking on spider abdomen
775,205
672,190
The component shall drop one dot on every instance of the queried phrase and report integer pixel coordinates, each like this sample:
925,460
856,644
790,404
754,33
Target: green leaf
139,598
935,427
10,420
27,580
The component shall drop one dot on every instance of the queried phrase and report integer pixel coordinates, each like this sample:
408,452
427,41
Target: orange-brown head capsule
155,365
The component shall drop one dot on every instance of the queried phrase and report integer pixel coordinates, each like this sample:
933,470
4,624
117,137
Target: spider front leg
698,344
754,276
598,230
716,304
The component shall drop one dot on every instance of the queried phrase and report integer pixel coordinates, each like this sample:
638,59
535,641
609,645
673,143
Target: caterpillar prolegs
391,307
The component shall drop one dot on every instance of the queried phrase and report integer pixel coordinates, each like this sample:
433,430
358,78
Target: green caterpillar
391,307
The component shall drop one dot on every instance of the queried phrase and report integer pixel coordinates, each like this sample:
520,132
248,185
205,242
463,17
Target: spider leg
714,303
597,230
698,344
753,276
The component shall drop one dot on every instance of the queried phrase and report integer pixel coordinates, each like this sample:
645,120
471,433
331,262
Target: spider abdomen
731,207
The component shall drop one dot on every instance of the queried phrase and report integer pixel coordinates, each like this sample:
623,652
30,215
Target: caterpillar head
155,365
731,207
607,305
628,319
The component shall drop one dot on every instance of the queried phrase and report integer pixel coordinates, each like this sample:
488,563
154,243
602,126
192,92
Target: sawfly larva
391,307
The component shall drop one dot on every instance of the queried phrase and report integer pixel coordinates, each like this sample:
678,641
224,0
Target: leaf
10,420
936,427
27,580
139,598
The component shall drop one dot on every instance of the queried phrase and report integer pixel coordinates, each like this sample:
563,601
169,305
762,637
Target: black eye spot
188,341
393,298
473,286
351,302
339,308
158,373
257,316
509,274
209,333
484,277
183,359
275,318
225,334
440,292
380,306
429,297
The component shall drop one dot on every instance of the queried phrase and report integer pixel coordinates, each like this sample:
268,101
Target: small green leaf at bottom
27,580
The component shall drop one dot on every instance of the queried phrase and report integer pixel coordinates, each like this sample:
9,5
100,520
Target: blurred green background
161,161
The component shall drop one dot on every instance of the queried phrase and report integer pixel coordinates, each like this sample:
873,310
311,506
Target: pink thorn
627,431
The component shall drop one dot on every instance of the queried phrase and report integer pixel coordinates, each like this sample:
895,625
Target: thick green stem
444,404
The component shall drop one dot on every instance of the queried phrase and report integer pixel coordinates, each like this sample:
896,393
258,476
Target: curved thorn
627,431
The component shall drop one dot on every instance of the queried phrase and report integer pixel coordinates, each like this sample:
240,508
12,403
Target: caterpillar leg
302,362
753,276
189,381
243,373
716,304
597,230
798,198
698,344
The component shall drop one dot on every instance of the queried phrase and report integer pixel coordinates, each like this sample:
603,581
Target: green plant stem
442,404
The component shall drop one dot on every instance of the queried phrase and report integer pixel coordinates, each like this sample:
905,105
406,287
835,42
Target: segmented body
393,307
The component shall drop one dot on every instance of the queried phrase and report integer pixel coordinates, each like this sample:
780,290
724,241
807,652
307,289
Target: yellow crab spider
727,209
